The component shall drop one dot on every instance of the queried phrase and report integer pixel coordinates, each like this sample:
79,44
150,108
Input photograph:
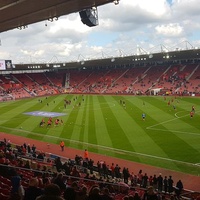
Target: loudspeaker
89,17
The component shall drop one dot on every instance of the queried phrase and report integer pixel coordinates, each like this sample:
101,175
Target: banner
6,65
2,65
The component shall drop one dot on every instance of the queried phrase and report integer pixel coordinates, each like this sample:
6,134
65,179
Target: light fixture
22,27
113,60
50,19
116,2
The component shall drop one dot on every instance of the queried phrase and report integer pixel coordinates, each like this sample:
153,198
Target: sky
131,27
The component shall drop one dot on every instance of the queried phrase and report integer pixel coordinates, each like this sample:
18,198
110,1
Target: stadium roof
20,13
163,58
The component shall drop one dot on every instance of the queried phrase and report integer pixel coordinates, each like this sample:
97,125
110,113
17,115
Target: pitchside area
167,136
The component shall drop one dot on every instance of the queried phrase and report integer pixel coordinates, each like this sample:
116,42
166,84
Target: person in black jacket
32,192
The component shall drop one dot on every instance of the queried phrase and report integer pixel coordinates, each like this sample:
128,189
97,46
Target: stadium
140,112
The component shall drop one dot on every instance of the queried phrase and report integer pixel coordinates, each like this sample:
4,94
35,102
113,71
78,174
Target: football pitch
113,125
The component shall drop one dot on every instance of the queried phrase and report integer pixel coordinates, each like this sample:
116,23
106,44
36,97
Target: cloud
169,30
123,27
186,8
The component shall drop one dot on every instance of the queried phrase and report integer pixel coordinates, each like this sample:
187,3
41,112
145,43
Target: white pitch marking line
104,147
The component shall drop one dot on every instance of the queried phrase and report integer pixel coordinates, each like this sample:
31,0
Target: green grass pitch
167,138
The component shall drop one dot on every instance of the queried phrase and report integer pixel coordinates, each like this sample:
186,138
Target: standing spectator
170,184
33,149
160,183
28,148
145,180
66,168
151,181
99,168
117,171
91,165
126,175
165,183
179,188
155,182
105,169
140,175
112,169
17,189
58,164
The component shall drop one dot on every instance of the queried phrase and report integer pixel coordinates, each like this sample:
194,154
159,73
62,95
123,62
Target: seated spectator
32,192
150,194
69,194
59,180
51,192
82,194
136,196
106,194
27,165
94,193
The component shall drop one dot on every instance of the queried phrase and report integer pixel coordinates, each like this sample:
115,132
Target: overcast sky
132,26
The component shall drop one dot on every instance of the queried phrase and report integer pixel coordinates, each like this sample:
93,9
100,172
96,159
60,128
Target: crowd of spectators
34,177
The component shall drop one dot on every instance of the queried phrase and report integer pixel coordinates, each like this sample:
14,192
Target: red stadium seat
5,191
4,197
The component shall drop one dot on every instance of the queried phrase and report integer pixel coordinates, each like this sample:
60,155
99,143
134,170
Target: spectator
150,194
165,184
145,180
154,182
32,192
179,188
136,196
82,194
60,181
17,189
106,195
170,185
27,164
69,194
160,182
33,149
94,193
58,164
51,192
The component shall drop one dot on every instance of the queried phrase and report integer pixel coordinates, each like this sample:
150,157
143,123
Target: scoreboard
6,65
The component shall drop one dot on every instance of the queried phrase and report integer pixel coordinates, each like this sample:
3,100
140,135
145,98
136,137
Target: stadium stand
179,79
25,174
